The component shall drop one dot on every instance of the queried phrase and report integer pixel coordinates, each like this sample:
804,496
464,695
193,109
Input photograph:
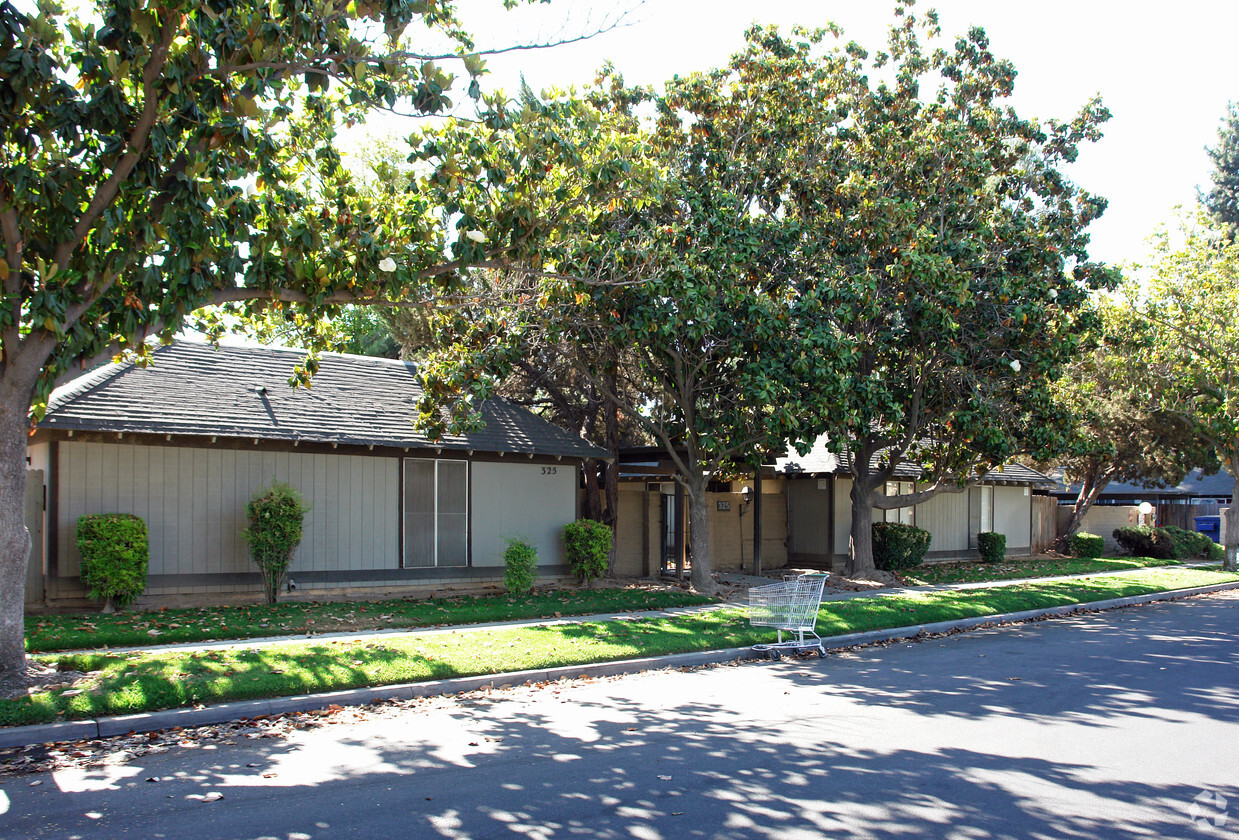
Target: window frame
436,513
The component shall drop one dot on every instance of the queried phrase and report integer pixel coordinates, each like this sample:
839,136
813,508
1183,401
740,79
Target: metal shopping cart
789,606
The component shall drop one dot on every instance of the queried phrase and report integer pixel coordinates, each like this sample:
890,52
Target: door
34,524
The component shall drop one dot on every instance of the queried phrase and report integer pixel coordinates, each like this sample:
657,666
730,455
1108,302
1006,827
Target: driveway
1120,724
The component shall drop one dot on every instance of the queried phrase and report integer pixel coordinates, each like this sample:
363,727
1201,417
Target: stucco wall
521,499
639,534
1102,520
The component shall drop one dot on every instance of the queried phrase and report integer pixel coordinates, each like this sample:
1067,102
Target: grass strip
204,624
125,684
1013,567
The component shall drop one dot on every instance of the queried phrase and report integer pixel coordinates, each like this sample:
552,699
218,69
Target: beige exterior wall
521,499
639,540
1102,520
637,531
1013,517
193,501
731,534
945,516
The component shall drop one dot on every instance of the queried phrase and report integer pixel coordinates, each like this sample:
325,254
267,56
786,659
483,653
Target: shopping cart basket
789,606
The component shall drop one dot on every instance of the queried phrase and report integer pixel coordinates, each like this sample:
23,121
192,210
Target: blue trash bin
1210,526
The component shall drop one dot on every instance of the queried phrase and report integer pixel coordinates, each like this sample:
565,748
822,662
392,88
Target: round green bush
897,546
277,516
588,545
520,565
993,546
1146,541
1084,544
115,553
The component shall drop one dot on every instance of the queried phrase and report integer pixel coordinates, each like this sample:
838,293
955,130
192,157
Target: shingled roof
243,392
820,460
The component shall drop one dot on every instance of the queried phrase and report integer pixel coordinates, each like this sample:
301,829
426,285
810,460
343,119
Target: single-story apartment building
807,514
186,442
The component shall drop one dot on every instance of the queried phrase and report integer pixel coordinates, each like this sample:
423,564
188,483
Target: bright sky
1165,70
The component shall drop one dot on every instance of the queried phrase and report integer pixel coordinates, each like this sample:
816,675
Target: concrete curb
19,736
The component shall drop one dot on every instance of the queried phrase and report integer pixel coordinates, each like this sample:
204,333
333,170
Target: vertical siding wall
193,502
1013,516
945,516
512,499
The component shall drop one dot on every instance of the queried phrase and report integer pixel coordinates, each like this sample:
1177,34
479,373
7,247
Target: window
906,515
980,511
436,513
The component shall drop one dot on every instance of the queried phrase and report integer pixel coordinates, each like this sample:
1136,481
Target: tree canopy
159,158
1222,199
1117,433
1188,308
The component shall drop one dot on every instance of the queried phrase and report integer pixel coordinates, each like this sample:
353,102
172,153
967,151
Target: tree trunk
610,472
860,541
756,521
593,498
701,576
1230,521
1090,489
14,539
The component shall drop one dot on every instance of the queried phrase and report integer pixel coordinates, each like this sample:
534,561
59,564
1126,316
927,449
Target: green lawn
123,684
132,629
1030,567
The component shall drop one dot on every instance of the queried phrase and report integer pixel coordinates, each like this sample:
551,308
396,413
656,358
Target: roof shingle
243,392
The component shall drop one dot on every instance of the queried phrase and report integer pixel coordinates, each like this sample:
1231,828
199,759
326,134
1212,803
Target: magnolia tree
1116,432
159,158
1192,360
673,295
950,248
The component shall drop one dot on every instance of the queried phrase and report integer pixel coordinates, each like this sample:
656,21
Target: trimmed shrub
588,545
276,516
897,546
520,565
1145,541
993,546
1084,544
1189,545
115,553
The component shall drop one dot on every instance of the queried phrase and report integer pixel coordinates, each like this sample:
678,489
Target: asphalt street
1119,724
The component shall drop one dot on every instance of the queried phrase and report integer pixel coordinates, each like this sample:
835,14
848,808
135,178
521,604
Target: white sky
1166,70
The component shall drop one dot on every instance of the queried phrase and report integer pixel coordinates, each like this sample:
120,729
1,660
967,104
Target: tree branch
107,192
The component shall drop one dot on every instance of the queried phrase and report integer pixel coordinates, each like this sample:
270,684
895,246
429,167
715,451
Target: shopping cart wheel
775,655
821,652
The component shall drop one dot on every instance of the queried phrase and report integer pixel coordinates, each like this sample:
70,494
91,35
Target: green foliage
897,546
276,516
992,546
520,565
115,553
1190,544
1222,201
1084,544
588,545
1145,541
1186,312
1117,432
